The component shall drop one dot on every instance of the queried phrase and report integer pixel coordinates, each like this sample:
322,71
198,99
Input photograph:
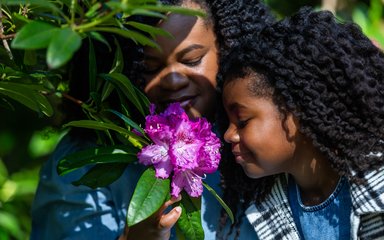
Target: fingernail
178,209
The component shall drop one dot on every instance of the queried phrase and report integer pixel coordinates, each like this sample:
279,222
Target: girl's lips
238,157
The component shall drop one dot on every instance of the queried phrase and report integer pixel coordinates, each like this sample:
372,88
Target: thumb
168,220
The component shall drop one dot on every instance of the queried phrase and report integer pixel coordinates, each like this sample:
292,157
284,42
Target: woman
184,71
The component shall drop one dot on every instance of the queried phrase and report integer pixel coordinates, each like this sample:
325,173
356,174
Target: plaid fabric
273,219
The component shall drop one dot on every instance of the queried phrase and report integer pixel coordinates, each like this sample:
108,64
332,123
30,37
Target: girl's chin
253,173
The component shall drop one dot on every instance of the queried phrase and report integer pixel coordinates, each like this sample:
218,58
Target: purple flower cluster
186,149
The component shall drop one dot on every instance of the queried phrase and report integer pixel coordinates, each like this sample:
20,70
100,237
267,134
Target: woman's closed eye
192,62
150,68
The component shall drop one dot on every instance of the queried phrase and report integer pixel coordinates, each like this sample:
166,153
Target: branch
69,97
5,37
4,40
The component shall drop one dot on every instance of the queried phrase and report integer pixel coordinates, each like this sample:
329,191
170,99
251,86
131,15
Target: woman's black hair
331,77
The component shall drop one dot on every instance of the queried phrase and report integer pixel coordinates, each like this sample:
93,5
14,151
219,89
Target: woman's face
185,69
262,142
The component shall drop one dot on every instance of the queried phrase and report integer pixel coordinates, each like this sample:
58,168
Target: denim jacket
63,211
273,219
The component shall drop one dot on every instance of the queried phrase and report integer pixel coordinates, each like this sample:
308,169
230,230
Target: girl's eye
242,123
193,62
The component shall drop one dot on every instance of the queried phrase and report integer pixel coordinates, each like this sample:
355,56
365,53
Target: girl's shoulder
368,196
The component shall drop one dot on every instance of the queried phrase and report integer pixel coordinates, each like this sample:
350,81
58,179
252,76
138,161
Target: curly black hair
235,22
331,77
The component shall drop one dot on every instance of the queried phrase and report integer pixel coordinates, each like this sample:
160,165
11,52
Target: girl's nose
231,135
174,81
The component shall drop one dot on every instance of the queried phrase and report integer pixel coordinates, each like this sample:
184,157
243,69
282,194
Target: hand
156,227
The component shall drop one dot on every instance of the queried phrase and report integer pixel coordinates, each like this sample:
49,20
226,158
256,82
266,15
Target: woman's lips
185,102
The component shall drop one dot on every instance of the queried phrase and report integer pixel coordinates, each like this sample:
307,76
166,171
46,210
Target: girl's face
185,69
262,141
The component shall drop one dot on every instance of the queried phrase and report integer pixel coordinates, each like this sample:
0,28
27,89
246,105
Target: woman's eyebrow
189,48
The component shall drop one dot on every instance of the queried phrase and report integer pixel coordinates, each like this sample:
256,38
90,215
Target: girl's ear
291,125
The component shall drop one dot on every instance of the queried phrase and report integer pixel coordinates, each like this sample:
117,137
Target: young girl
305,103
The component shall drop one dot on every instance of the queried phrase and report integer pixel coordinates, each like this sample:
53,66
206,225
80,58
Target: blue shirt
63,211
327,220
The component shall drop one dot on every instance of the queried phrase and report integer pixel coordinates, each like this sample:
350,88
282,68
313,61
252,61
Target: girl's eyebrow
188,49
235,106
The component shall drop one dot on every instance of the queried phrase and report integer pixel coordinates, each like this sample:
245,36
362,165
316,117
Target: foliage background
27,138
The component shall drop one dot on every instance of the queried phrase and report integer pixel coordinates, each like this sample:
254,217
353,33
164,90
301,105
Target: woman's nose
174,81
231,135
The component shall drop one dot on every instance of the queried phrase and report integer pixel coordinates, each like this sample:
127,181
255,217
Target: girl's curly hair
331,77
234,22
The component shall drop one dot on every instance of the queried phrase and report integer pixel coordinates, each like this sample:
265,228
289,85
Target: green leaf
143,12
93,10
174,9
34,35
101,175
62,47
118,61
127,120
150,194
40,3
97,36
143,99
135,36
226,208
153,31
3,171
123,84
131,137
189,222
360,18
28,96
107,90
97,155
11,224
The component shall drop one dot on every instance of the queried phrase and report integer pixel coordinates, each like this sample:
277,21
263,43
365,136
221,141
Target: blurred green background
27,139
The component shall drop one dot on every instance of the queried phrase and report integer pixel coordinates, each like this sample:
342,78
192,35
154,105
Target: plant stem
5,43
73,8
96,22
69,97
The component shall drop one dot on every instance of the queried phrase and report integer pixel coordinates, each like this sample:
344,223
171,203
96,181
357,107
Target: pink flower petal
194,188
153,154
184,156
163,168
177,184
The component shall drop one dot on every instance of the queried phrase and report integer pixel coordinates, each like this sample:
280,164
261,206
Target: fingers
168,220
169,203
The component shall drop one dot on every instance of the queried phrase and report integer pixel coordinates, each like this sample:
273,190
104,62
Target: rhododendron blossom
183,148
